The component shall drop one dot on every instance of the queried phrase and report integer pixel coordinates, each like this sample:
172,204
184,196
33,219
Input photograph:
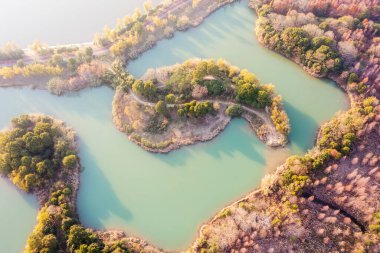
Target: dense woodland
34,151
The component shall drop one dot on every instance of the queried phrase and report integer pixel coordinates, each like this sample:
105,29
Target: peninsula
185,103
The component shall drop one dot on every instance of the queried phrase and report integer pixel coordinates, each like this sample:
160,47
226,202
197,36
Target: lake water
61,22
165,198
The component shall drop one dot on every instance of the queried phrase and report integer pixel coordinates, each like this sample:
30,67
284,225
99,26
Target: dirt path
253,111
273,135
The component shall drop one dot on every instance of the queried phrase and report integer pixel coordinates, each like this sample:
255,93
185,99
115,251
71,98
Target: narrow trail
273,136
253,111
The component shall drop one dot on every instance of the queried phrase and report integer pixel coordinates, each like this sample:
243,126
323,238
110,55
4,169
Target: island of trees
194,101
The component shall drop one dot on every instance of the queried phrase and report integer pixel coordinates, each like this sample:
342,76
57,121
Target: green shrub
234,110
196,109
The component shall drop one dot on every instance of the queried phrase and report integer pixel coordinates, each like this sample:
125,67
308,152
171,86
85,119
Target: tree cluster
146,89
33,151
319,54
34,69
58,229
196,109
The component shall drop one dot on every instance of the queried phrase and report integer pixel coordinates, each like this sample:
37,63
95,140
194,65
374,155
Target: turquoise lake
165,198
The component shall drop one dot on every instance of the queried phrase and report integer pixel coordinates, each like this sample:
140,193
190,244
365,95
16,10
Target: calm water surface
62,21
165,198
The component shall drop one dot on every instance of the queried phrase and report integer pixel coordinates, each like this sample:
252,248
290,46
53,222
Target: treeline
58,64
319,54
344,48
327,8
142,30
35,69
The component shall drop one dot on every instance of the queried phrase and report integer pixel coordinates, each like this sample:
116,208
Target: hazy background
60,21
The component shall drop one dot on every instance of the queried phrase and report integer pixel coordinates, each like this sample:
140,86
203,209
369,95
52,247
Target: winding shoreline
218,131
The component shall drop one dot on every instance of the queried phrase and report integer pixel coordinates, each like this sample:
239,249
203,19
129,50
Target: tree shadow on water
97,199
177,157
303,128
232,141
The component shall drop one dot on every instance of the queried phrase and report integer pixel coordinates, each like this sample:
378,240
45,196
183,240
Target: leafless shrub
331,219
348,50
320,231
339,188
337,231
353,174
199,91
313,30
267,183
355,161
373,171
373,161
348,188
321,216
325,208
263,233
347,220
